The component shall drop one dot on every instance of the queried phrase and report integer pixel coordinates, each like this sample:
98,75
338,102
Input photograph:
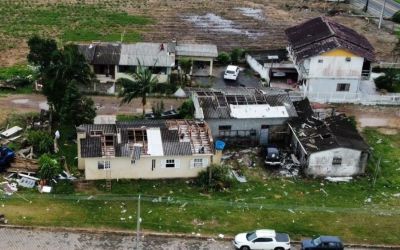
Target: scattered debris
221,236
397,195
291,210
239,178
3,219
8,188
323,190
11,132
339,179
44,189
368,200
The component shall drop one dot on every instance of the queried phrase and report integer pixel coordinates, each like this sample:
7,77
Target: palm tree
143,82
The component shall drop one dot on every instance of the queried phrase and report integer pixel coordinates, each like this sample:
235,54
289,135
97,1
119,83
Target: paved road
25,239
375,6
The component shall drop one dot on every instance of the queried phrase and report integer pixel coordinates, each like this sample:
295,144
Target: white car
231,72
262,239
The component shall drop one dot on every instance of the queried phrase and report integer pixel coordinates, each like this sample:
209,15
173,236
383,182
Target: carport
201,55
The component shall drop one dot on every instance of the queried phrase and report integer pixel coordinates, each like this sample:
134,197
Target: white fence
356,98
257,67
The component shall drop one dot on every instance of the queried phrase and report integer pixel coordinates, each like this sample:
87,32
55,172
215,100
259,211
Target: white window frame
199,163
106,165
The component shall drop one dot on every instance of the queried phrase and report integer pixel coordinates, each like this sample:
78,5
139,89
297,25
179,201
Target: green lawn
68,22
298,207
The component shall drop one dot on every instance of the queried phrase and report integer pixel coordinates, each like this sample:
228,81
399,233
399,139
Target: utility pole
382,12
365,9
138,224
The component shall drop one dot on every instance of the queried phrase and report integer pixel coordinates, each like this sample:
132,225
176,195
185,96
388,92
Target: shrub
220,179
41,141
236,55
186,111
390,81
396,17
63,187
48,167
224,58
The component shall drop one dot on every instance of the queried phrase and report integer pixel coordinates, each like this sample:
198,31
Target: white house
329,147
145,149
331,59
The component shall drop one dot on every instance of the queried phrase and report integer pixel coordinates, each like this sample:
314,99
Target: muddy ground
250,24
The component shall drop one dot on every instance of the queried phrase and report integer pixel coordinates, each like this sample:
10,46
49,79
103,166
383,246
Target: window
320,61
197,163
158,70
343,87
337,160
103,165
263,240
127,69
170,163
348,59
225,127
109,139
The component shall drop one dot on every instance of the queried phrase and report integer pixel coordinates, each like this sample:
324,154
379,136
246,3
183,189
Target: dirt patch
249,24
388,131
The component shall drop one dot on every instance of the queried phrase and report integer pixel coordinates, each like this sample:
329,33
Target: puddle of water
20,101
44,105
253,13
215,23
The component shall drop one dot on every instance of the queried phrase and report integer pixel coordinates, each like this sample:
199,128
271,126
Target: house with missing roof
244,115
145,149
333,61
111,61
327,147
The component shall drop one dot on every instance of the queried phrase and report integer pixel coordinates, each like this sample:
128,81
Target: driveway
27,239
246,79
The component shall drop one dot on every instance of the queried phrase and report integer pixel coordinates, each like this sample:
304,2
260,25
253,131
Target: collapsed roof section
316,135
146,137
321,34
242,103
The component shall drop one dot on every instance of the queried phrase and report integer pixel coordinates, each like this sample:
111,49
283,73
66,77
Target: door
263,244
264,135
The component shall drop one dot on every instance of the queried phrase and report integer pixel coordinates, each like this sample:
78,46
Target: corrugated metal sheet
196,50
148,54
91,147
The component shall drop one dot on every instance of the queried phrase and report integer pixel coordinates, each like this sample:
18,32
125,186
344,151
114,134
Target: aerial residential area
171,124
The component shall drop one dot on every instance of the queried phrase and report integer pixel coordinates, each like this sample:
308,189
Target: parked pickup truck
262,239
322,243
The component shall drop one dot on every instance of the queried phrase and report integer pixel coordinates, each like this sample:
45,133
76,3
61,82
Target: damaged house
328,147
144,149
333,61
244,115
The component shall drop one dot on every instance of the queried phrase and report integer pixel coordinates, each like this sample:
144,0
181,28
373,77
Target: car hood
307,243
241,238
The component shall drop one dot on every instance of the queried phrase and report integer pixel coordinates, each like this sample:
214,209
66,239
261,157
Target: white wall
121,168
320,163
325,85
336,66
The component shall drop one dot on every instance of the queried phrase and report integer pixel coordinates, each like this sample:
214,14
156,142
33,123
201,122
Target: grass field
67,22
298,207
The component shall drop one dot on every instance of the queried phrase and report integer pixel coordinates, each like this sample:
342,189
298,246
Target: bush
224,58
48,167
63,187
396,17
220,179
41,141
390,81
236,55
186,111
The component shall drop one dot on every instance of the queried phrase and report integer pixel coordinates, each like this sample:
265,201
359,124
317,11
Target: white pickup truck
262,239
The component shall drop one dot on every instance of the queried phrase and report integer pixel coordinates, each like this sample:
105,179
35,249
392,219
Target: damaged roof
320,35
101,53
219,104
316,135
157,138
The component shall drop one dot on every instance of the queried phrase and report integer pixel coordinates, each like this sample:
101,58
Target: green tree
41,51
67,65
48,167
186,65
236,55
143,84
390,81
224,58
76,109
186,111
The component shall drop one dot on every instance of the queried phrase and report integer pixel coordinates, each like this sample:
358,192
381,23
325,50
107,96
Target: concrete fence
356,98
257,67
